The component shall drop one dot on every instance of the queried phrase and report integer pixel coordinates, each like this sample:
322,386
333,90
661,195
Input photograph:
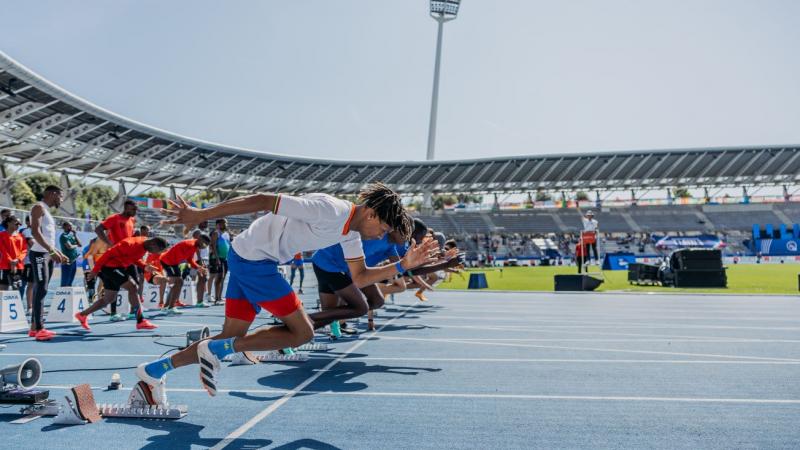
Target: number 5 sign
12,312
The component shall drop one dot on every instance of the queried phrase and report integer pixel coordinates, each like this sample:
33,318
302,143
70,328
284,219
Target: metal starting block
84,409
313,347
146,412
249,358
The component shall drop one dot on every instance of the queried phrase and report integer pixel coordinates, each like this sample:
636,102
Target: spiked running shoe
83,320
158,387
209,367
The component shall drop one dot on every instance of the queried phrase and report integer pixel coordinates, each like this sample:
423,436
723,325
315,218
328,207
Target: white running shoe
209,367
158,387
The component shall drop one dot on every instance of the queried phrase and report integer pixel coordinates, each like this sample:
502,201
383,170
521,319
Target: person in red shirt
117,269
156,276
183,251
117,227
13,249
114,229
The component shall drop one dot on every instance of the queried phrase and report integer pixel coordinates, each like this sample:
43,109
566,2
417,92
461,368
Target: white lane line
487,396
516,317
589,333
592,349
89,355
591,361
278,403
615,325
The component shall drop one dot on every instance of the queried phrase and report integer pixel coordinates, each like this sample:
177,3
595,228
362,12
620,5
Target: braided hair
388,207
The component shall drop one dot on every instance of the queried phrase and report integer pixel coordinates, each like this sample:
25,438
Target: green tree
581,196
153,193
681,192
38,182
96,200
22,195
542,196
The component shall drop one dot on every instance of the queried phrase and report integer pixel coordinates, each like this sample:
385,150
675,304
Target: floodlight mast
441,11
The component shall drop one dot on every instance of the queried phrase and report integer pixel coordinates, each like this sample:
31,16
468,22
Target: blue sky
351,79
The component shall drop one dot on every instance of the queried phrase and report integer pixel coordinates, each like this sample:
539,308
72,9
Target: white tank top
48,229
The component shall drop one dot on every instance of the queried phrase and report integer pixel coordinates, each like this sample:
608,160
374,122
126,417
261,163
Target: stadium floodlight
442,11
445,7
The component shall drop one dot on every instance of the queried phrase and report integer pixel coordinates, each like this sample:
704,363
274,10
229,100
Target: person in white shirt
590,235
43,254
293,224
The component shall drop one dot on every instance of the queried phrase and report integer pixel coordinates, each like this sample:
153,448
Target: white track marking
491,396
592,349
288,396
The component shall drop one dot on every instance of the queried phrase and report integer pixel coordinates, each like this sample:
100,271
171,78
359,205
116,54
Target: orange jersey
180,252
12,247
153,260
119,227
128,252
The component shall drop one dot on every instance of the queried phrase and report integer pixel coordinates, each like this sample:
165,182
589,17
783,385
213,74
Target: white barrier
12,312
66,302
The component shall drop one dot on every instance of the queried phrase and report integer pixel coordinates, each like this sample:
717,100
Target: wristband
399,266
52,252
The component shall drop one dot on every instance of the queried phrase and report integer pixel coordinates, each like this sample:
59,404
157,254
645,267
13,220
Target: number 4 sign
66,302
12,312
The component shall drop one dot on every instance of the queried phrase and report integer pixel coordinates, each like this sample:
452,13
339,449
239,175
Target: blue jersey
331,259
401,249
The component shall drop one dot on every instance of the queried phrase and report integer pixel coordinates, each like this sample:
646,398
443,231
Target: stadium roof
46,127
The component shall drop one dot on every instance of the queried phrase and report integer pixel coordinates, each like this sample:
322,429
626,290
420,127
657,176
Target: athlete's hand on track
182,213
418,255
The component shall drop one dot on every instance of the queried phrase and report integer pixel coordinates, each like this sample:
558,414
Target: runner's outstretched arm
182,213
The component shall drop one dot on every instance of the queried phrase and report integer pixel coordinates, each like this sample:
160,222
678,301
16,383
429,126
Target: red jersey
119,227
155,261
180,252
12,246
128,252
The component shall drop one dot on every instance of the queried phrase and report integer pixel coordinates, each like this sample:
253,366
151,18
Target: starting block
249,358
82,409
313,347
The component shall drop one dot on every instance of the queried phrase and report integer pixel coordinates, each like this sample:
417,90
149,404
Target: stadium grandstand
45,129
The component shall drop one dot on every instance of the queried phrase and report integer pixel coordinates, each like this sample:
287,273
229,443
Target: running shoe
174,312
44,335
286,351
336,333
32,333
202,305
158,386
146,325
299,291
131,316
180,304
117,317
346,329
421,296
370,325
209,367
83,320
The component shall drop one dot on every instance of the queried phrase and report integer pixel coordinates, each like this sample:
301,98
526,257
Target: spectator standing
43,254
70,243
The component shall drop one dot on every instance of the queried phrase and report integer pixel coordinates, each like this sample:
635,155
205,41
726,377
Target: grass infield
742,279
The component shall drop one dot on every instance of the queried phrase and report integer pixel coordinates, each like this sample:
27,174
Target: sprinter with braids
342,280
293,224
